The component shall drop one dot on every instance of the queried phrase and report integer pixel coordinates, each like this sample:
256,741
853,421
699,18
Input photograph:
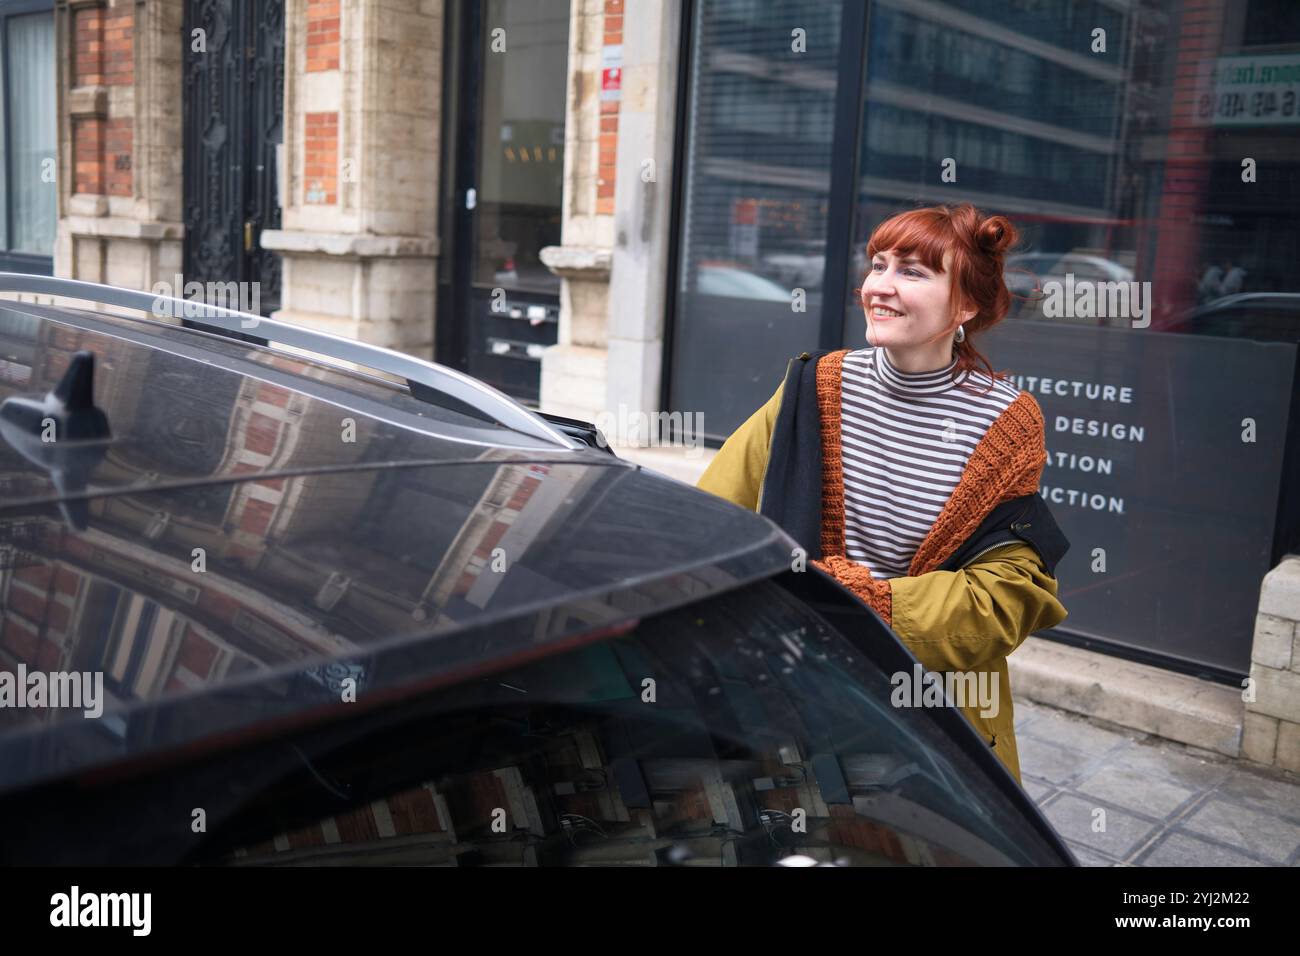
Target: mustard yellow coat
967,620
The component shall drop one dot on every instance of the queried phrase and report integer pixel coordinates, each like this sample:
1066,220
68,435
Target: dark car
260,608
1263,316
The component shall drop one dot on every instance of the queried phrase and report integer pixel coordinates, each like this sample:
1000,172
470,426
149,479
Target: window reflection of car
461,634
1265,316
736,283
800,266
1028,270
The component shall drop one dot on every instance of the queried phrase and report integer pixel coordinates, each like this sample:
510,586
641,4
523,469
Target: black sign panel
1164,468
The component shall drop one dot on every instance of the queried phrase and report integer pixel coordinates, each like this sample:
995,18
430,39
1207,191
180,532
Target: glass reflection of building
1031,119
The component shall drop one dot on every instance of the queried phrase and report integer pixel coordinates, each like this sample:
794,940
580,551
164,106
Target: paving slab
1176,848
1254,831
1049,762
1073,817
1135,790
1279,796
1081,735
1198,770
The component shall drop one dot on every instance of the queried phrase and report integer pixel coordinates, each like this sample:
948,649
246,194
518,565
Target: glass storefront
506,75
27,137
756,201
1149,153
521,143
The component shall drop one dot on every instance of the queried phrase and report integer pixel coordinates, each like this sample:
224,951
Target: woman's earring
961,333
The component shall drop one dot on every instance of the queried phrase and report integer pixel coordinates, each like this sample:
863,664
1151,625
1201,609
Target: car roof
1272,300
1058,256
259,523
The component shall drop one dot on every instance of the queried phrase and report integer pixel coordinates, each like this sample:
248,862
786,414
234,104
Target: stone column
574,369
359,236
642,217
619,138
1271,732
119,134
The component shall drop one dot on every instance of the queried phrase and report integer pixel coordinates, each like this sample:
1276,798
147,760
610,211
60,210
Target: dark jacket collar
792,484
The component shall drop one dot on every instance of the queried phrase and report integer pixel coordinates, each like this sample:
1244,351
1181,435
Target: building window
521,145
27,137
758,136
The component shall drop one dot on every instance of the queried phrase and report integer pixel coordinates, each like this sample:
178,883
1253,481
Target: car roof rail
420,375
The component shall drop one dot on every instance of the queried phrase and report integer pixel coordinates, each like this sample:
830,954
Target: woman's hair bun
995,234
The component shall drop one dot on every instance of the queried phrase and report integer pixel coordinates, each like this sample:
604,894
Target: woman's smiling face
907,303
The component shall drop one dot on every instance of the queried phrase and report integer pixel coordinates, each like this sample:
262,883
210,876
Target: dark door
233,108
504,104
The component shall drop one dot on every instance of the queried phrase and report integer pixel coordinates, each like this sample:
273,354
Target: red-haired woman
910,468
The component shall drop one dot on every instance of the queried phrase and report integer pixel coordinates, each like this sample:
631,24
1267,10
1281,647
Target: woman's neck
924,358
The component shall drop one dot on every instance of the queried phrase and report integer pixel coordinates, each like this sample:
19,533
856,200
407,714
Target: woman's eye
879,267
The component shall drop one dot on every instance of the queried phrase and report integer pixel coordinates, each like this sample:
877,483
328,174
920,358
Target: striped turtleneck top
905,440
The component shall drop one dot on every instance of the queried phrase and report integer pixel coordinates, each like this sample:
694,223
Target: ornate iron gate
233,109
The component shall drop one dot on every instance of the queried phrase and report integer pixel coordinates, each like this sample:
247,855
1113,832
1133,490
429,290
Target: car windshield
741,730
739,284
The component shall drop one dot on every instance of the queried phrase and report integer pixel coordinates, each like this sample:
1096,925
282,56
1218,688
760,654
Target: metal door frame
251,200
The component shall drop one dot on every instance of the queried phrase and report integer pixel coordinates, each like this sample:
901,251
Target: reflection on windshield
739,732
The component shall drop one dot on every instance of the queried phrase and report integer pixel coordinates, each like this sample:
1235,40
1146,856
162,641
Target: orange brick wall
88,46
103,55
322,35
88,155
321,158
609,118
119,57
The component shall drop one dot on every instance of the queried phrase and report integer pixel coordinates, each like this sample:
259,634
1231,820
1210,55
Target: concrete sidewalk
1166,804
